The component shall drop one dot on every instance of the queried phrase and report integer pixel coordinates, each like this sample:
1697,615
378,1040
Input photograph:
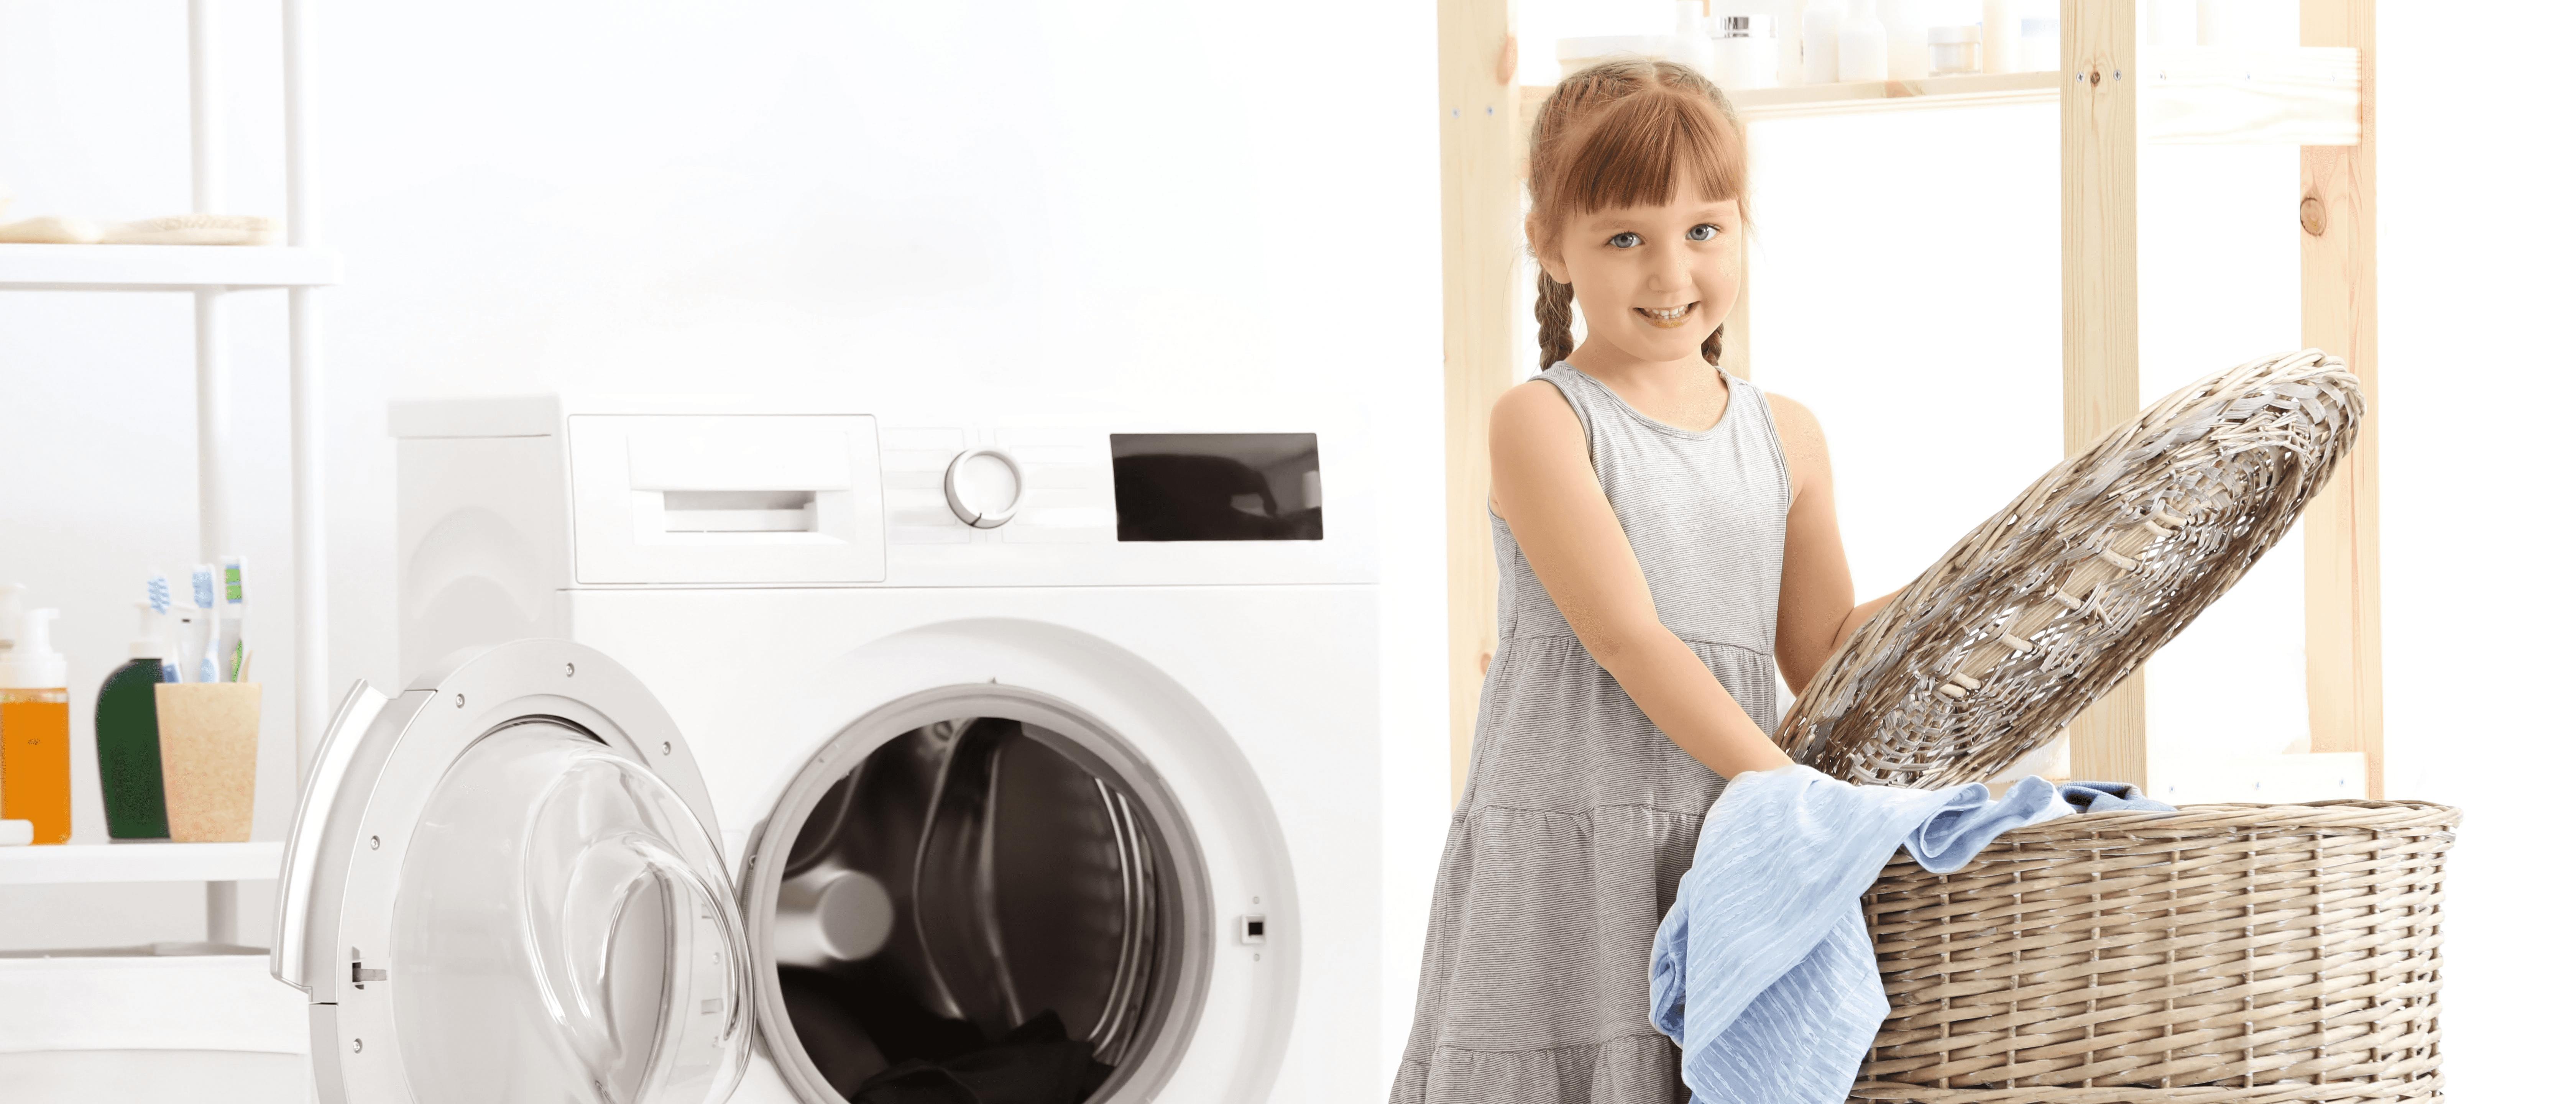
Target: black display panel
1217,486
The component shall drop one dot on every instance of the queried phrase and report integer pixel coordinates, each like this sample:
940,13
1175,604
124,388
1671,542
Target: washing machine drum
973,903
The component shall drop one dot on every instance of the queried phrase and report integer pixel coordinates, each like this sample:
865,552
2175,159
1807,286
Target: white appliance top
739,491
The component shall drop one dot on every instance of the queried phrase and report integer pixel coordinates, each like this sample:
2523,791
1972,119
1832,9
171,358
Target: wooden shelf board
2193,95
163,267
141,862
1974,90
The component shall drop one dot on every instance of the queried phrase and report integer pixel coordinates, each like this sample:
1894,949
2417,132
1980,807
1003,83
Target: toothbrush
201,586
228,644
157,590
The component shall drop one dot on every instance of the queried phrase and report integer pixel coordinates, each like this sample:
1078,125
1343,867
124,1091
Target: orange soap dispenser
35,730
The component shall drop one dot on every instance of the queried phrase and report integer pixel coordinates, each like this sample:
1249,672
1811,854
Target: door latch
359,975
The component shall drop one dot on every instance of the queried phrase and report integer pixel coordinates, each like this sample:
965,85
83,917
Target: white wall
1029,207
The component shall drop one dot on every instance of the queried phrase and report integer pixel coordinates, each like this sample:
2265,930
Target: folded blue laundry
1763,969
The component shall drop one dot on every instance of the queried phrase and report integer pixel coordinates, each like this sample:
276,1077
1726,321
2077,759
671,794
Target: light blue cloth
1763,969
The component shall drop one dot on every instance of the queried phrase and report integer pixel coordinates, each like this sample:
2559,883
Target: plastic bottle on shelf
1819,31
36,730
1909,50
1863,43
129,738
2002,36
1746,51
1792,48
1689,47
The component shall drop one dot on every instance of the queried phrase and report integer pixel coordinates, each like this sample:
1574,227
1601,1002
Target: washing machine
796,755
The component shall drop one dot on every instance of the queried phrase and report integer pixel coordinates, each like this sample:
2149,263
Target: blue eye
1627,239
1703,231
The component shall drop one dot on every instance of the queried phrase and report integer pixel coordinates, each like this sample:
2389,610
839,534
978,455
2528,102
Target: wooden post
1480,243
2098,209
2339,313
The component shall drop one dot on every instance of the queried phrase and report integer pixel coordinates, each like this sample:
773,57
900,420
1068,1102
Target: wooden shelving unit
2308,95
2113,96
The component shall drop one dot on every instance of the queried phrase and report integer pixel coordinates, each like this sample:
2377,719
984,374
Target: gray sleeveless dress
1579,815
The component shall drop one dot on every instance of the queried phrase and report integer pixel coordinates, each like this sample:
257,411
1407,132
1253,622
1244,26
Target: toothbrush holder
209,758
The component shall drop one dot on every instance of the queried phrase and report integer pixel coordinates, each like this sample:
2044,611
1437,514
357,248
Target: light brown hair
1621,134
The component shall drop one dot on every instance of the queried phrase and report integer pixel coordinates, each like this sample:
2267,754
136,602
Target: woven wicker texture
2051,602
2226,954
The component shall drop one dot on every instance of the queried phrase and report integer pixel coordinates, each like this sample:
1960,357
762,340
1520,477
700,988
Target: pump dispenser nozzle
34,664
147,633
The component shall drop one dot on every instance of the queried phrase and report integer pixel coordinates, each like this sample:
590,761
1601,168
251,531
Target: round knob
985,486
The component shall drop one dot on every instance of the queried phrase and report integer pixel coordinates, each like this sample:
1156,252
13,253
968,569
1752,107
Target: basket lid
2050,603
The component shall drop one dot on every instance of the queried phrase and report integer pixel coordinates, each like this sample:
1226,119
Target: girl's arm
1816,610
1545,489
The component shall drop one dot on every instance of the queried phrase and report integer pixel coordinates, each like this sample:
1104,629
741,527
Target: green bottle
129,740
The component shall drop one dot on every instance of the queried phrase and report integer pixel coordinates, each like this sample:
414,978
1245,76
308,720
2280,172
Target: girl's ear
1550,260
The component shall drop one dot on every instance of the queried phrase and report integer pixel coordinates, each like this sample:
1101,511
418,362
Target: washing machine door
504,885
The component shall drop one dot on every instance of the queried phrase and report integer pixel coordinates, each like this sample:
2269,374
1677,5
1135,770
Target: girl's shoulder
1801,437
1540,405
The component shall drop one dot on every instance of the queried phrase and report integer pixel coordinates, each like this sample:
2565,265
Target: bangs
1640,148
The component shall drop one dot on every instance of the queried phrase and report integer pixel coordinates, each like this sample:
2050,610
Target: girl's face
1653,282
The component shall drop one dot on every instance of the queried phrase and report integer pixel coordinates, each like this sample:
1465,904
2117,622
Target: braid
1716,342
1555,321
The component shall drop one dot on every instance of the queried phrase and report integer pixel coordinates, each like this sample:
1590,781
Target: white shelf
163,267
141,862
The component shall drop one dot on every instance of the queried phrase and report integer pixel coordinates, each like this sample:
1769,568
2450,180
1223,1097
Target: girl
1660,528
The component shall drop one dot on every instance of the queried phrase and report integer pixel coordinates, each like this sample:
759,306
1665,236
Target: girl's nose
1668,270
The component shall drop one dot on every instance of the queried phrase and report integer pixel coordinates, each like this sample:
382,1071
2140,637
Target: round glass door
566,933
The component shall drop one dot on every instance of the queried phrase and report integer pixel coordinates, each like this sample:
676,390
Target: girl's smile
1668,318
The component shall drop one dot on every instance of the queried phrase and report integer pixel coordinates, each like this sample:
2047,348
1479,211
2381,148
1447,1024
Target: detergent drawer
695,499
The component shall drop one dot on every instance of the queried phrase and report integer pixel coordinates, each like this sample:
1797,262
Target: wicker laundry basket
2225,954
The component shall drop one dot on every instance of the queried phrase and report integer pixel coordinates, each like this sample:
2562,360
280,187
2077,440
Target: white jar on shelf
1954,51
1745,51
